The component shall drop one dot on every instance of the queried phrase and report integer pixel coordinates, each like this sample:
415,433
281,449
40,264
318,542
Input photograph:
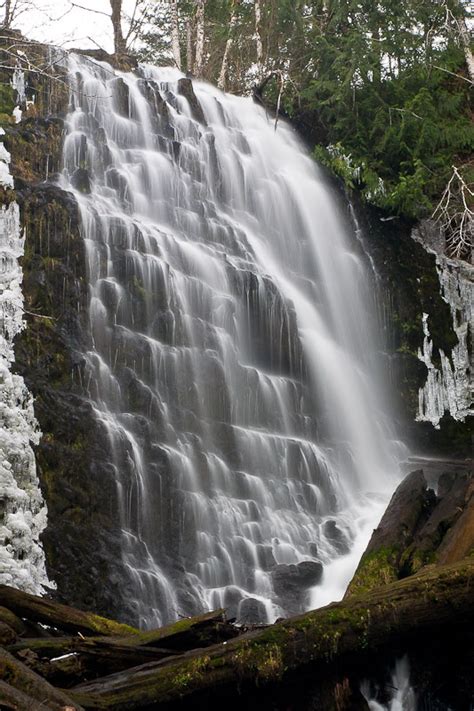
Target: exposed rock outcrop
420,527
410,284
75,476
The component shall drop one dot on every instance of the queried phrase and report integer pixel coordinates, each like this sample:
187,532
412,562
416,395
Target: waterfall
401,694
233,364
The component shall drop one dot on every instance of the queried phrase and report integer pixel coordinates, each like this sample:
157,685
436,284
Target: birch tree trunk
116,17
221,82
466,44
258,36
175,34
199,58
189,47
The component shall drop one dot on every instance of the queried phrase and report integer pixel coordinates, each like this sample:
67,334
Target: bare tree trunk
199,58
189,46
175,34
225,59
116,17
258,36
7,18
466,44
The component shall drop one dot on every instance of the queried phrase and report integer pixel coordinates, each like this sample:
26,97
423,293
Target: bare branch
458,76
455,215
90,9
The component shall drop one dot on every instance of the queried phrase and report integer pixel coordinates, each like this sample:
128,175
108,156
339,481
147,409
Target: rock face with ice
449,388
22,509
232,368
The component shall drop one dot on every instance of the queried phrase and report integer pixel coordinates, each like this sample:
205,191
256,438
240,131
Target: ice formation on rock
449,388
22,509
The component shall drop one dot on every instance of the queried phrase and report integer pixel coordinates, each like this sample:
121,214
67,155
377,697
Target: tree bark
189,47
200,37
175,46
437,600
258,37
221,83
60,616
26,682
116,17
466,43
7,15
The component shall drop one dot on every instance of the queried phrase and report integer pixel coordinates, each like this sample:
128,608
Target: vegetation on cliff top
381,89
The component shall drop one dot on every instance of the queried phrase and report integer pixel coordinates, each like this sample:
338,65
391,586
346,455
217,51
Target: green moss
137,288
193,673
375,569
7,99
262,661
102,625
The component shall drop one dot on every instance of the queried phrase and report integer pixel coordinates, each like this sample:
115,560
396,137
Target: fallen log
99,656
15,700
19,677
439,598
38,609
93,657
189,633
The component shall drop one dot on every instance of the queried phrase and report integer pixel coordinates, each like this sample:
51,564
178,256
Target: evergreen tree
383,88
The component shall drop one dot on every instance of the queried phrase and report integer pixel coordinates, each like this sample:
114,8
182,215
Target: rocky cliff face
418,287
450,387
77,479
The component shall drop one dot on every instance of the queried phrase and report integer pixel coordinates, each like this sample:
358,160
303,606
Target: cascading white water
233,364
401,693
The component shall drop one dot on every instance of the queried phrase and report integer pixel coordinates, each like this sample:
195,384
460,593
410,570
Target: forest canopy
382,90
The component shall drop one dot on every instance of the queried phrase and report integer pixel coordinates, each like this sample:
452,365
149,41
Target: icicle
22,509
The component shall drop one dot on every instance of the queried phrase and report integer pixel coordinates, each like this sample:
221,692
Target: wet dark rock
288,579
434,540
266,558
232,600
185,88
409,507
251,611
121,94
336,537
81,180
160,114
418,529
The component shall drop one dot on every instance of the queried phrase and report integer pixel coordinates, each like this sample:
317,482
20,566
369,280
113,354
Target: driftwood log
437,598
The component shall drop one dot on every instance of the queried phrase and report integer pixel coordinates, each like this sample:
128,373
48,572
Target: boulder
336,537
185,88
419,528
252,611
291,579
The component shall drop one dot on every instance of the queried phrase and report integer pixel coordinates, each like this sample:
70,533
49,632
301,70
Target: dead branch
454,214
